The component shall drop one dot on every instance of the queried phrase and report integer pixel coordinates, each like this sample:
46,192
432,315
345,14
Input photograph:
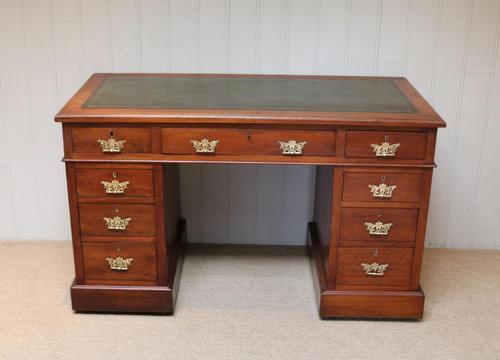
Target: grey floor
245,303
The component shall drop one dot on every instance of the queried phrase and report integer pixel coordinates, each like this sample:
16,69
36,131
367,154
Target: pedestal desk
373,140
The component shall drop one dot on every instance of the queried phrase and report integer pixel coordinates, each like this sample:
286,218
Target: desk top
249,98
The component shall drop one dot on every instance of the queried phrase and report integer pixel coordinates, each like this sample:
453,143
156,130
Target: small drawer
110,141
117,220
120,261
386,145
383,266
248,142
388,186
114,182
372,224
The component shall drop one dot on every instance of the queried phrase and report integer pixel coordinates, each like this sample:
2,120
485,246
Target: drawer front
248,142
117,220
114,183
382,186
119,261
88,140
369,266
376,144
395,224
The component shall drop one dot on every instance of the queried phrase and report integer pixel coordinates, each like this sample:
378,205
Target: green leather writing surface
335,95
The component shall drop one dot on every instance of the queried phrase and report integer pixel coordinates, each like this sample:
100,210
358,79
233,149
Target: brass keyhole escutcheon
382,178
117,248
116,209
379,214
114,175
375,252
386,138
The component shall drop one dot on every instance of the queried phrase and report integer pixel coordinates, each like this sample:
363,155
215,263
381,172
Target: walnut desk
373,140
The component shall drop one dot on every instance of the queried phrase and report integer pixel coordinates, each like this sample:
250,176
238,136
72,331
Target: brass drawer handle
115,186
374,269
378,228
385,149
117,223
119,263
111,145
382,190
204,146
292,147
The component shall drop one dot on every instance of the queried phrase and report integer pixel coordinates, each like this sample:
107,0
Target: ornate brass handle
382,190
111,145
115,186
204,146
119,263
292,147
117,223
374,269
378,228
385,149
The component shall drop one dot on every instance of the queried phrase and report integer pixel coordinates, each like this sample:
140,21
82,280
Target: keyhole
386,138
116,209
379,214
382,178
111,133
114,174
117,248
375,252
249,136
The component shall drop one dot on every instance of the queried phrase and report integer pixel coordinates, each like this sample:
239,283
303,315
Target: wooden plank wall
447,48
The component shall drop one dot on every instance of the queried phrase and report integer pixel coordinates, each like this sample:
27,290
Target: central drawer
372,224
117,220
247,141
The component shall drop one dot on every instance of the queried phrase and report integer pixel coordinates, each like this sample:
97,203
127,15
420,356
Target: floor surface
245,303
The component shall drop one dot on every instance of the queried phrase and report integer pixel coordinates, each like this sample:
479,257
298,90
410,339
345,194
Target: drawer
384,266
355,224
114,182
110,140
388,186
412,145
119,261
117,220
247,141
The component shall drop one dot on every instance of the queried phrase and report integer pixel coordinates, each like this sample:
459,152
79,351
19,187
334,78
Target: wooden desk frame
340,201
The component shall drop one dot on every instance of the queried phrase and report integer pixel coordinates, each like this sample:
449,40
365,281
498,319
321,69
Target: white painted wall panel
363,37
213,36
243,36
447,90
96,37
393,38
486,220
42,86
447,48
14,82
472,121
154,36
331,44
303,36
273,36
